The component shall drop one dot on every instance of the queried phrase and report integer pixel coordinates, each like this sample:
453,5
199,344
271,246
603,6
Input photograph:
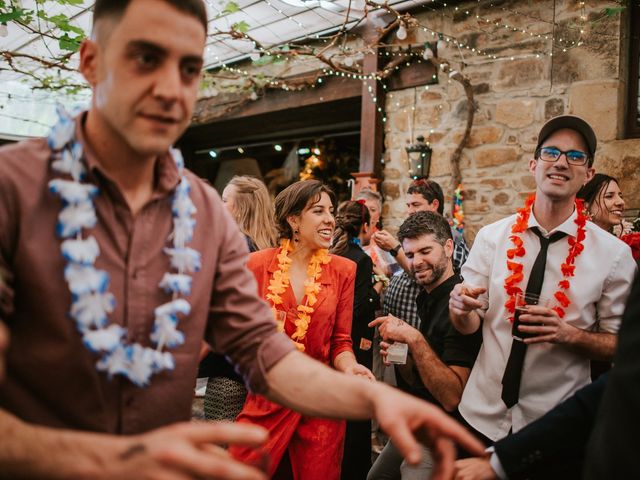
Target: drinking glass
523,301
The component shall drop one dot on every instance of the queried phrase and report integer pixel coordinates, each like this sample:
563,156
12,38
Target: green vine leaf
242,26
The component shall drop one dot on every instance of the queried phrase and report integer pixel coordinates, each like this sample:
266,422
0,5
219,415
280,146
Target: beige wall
514,98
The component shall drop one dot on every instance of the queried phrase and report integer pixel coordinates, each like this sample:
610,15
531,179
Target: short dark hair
429,190
425,223
116,8
293,199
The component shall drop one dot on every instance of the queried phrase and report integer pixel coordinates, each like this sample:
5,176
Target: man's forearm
466,325
310,387
594,345
33,452
443,383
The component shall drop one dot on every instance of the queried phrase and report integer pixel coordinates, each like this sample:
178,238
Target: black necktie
513,370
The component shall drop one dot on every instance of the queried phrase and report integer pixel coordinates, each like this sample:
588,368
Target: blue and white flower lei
91,300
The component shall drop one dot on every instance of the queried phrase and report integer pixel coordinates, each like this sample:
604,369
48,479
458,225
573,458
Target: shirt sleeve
341,336
241,324
615,291
461,350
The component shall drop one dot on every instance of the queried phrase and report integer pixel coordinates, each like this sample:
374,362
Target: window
633,103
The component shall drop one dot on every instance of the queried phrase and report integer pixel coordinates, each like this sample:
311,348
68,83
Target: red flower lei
511,283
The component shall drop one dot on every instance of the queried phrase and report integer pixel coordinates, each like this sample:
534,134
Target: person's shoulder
261,257
355,253
201,186
342,265
25,159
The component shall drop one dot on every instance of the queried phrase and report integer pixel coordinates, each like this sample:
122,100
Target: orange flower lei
568,267
280,281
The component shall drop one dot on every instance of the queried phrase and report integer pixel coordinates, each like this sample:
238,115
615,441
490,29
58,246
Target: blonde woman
249,203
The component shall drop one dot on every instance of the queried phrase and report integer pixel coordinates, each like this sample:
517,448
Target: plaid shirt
400,297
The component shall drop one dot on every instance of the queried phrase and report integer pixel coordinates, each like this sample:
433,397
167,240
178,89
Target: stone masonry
514,96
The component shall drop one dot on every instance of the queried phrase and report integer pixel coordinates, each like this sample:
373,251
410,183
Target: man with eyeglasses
548,249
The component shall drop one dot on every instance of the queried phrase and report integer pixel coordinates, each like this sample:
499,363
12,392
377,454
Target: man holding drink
550,251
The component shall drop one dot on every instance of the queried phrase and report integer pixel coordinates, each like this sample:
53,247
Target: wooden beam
330,90
371,127
415,75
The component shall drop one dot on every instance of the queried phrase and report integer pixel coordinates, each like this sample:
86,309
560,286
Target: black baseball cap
571,122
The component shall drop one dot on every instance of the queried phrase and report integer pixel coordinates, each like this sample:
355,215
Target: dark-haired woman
603,199
311,294
605,205
353,229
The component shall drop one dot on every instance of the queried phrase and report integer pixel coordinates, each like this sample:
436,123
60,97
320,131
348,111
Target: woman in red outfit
311,294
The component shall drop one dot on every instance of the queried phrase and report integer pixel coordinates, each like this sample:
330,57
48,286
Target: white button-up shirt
551,373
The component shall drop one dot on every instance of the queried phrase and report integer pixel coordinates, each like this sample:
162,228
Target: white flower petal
84,251
166,334
73,218
62,132
177,158
91,309
185,259
115,363
182,206
183,228
141,365
83,279
176,283
162,361
72,191
179,305
104,339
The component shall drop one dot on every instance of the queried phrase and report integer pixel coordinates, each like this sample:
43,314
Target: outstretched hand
188,451
463,303
475,469
408,420
359,370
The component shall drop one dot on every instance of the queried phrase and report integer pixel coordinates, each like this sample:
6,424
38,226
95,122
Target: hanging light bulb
428,53
441,45
253,96
348,62
4,30
402,32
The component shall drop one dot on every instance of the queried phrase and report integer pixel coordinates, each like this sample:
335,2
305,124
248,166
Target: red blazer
329,332
315,445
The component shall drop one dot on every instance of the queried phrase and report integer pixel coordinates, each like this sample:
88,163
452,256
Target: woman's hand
358,370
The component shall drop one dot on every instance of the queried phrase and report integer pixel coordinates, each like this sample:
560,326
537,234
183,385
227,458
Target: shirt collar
166,172
568,226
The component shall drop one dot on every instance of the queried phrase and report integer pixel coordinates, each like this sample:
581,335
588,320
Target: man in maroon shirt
60,417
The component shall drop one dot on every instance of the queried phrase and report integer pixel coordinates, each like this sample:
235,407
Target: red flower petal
563,299
559,311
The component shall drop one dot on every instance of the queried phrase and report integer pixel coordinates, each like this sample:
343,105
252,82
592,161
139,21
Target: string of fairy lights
440,37
347,58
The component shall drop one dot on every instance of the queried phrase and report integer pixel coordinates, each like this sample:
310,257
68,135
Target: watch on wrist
394,251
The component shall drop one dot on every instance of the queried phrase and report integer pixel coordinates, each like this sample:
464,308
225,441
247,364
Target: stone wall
514,95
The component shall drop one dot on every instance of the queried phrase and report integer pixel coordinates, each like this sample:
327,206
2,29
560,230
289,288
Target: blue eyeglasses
553,154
